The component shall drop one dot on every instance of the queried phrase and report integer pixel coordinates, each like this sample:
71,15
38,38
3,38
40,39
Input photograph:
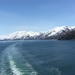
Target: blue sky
35,15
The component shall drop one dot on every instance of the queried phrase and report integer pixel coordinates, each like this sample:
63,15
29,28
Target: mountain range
55,33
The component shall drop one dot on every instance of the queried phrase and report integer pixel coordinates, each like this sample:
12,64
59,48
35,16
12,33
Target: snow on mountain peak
73,27
33,35
59,30
20,34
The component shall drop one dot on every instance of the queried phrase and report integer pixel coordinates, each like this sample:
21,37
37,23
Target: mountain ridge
55,33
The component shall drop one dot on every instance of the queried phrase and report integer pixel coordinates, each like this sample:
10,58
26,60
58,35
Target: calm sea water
37,57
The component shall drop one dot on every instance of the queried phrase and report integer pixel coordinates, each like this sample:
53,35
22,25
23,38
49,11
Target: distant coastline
59,33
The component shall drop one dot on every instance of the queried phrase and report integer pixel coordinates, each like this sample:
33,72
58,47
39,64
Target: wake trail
13,63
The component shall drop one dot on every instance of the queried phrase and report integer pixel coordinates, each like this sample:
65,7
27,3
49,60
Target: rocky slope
50,34
68,36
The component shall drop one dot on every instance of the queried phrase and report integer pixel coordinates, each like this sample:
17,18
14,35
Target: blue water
37,57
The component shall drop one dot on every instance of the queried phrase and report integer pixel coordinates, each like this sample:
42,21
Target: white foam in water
55,71
14,69
12,63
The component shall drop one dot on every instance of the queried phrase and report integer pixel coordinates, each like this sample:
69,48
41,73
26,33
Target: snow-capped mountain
57,32
20,35
50,34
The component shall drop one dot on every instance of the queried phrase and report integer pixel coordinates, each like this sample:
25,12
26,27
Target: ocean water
37,57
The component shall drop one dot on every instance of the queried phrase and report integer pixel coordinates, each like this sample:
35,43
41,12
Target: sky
35,15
